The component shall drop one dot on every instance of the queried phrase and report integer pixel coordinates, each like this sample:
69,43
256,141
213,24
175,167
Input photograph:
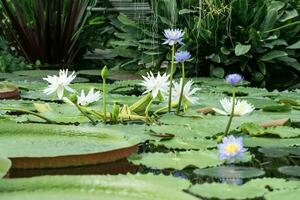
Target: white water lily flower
59,83
91,97
156,85
188,92
242,107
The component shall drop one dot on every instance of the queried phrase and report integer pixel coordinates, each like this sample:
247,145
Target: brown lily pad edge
72,160
9,91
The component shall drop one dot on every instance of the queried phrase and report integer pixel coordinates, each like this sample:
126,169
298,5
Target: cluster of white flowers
159,85
58,85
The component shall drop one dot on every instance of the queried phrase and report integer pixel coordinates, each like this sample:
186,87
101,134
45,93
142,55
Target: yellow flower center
232,148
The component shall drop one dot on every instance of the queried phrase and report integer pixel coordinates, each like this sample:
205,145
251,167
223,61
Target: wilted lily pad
48,146
290,170
121,187
230,172
5,164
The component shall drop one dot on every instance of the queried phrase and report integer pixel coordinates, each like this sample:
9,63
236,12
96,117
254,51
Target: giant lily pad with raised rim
8,91
5,164
52,146
121,187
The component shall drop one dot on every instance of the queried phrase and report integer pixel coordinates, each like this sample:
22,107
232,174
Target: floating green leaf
230,172
177,160
276,152
121,187
290,170
283,195
227,191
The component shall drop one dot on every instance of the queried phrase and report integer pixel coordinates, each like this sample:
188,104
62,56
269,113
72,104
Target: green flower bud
104,73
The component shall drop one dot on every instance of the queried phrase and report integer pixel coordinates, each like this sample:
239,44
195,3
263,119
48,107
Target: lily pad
51,146
177,160
230,172
5,164
8,91
277,152
270,142
121,187
283,195
186,143
290,170
227,191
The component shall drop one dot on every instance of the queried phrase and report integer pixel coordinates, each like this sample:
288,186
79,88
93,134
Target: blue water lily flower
233,79
231,148
182,56
173,36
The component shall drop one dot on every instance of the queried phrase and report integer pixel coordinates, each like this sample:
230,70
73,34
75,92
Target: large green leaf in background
121,187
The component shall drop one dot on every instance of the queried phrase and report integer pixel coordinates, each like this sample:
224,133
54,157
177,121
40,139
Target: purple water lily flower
182,56
173,36
233,79
231,148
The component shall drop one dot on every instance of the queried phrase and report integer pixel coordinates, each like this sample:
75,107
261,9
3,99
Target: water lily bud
73,98
104,73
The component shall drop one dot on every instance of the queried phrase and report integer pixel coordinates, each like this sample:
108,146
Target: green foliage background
259,38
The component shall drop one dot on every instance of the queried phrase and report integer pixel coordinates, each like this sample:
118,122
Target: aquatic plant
241,107
158,86
91,97
173,36
59,83
231,148
104,74
182,57
184,93
233,79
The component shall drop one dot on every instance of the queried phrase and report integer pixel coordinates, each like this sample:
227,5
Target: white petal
60,92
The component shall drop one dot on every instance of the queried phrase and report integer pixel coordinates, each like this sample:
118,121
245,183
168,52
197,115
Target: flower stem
31,113
182,88
148,108
85,114
104,100
171,79
232,111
